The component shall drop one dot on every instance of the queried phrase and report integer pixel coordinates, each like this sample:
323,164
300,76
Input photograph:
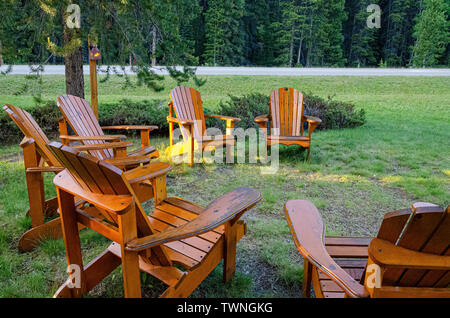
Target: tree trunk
291,48
1,58
299,55
74,65
154,46
308,57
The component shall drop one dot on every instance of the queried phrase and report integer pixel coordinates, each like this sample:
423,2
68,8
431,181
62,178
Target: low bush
144,112
45,114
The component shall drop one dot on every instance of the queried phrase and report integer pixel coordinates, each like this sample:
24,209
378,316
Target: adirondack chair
79,115
38,160
285,120
409,258
191,119
179,243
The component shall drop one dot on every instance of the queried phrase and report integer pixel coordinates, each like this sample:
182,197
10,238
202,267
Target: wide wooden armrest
132,127
386,254
226,208
106,145
103,137
261,118
232,119
146,172
308,232
118,204
128,160
180,121
311,119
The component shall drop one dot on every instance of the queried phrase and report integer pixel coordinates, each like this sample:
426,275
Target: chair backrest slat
424,228
83,121
189,106
286,111
92,174
31,129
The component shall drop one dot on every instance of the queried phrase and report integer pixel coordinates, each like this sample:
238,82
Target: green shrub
127,112
46,115
334,114
246,108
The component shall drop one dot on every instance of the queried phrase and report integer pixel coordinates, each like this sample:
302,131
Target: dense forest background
296,33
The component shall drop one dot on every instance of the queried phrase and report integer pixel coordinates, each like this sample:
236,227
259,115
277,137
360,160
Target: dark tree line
233,32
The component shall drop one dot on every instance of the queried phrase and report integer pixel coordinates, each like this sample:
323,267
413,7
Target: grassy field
400,156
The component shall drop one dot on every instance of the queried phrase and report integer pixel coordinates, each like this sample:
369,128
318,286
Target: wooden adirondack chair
179,243
191,119
81,118
287,118
409,258
38,159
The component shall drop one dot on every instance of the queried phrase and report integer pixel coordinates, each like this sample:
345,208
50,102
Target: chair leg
309,154
130,260
306,286
191,158
229,259
72,242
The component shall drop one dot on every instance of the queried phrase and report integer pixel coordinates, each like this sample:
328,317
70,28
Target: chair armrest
386,254
149,171
128,160
228,118
226,208
308,232
313,122
180,121
102,137
106,145
311,119
261,119
132,127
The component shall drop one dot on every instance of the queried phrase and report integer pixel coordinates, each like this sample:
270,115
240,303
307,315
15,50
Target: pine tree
397,30
361,47
224,32
432,34
257,35
121,28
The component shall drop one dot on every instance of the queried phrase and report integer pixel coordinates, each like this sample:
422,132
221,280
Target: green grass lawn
400,156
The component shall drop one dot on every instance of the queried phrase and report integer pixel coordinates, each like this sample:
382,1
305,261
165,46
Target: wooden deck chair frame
78,114
284,123
409,258
188,106
177,232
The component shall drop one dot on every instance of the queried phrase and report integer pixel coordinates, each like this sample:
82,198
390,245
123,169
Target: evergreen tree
122,28
224,32
397,29
257,35
361,46
432,34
